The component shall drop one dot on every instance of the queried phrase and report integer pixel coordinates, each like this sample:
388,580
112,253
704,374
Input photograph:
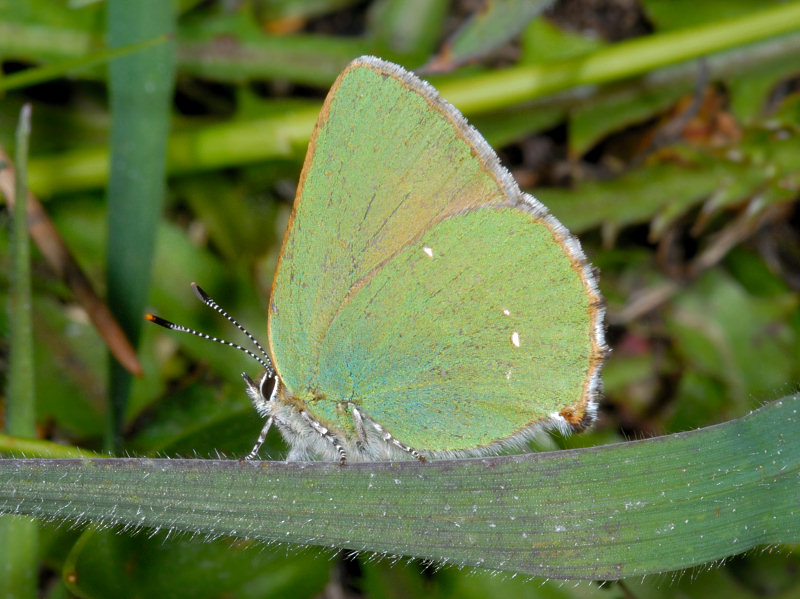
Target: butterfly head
262,392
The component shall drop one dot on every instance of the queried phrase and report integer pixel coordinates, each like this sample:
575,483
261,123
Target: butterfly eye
268,386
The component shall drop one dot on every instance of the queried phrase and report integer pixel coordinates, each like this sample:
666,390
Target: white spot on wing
515,339
428,251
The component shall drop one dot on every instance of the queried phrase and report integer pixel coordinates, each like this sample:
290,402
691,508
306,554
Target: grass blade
141,90
603,513
19,540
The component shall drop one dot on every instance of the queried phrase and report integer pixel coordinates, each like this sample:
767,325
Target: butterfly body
356,438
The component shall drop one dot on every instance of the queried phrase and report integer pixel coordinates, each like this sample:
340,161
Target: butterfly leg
360,430
358,415
262,436
326,434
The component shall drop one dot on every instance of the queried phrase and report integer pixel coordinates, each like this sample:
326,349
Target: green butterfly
423,305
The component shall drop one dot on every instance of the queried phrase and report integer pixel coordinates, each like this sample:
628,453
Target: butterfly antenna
206,299
265,361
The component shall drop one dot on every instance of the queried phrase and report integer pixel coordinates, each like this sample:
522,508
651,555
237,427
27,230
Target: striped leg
386,435
326,434
360,431
262,436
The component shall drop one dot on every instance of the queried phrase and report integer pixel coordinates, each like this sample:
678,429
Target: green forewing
382,167
412,285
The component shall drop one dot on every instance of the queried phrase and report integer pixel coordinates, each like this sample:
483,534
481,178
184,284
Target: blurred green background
681,182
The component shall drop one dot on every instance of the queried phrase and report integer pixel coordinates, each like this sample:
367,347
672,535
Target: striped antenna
266,362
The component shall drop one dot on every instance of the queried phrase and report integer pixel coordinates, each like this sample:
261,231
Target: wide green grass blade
141,87
603,513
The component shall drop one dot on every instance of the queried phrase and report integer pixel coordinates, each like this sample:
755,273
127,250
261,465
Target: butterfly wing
417,281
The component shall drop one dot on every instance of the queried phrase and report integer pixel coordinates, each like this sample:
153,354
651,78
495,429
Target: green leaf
742,343
603,513
408,28
19,540
219,50
32,77
496,23
765,166
141,87
286,135
675,14
106,564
